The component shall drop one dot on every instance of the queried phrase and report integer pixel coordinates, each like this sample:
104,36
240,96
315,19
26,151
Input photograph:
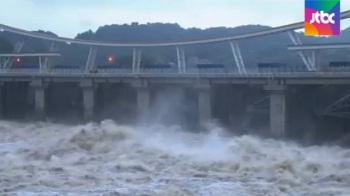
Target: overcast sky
69,17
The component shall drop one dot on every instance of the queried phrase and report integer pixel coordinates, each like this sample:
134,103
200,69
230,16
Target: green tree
272,48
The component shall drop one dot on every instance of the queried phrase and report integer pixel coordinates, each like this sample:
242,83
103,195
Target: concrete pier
278,113
2,110
88,90
143,98
39,98
199,100
204,103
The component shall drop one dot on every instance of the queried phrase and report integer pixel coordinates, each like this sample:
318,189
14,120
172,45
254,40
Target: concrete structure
138,91
204,102
319,46
1,100
137,84
274,82
39,98
278,109
88,89
143,97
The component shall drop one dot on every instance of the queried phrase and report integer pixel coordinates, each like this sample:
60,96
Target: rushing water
108,159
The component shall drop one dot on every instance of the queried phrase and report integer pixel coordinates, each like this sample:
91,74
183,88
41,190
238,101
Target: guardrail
194,72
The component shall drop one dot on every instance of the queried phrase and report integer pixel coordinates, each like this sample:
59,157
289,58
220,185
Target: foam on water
109,159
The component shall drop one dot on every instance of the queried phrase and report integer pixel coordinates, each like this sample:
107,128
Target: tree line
268,49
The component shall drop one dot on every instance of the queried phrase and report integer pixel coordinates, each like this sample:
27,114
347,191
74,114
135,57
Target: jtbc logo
323,18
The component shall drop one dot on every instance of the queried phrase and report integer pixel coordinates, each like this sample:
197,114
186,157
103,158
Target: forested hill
270,48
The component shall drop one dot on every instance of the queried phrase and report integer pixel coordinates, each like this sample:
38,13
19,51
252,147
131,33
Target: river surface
109,160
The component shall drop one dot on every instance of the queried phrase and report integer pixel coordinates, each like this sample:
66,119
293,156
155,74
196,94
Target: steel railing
191,72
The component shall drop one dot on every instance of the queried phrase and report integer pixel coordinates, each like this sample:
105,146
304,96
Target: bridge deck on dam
334,75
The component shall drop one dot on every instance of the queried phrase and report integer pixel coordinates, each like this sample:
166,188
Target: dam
286,104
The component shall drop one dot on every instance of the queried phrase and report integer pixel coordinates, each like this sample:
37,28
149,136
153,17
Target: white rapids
107,159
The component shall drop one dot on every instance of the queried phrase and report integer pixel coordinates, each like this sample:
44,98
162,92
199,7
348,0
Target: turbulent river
109,160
